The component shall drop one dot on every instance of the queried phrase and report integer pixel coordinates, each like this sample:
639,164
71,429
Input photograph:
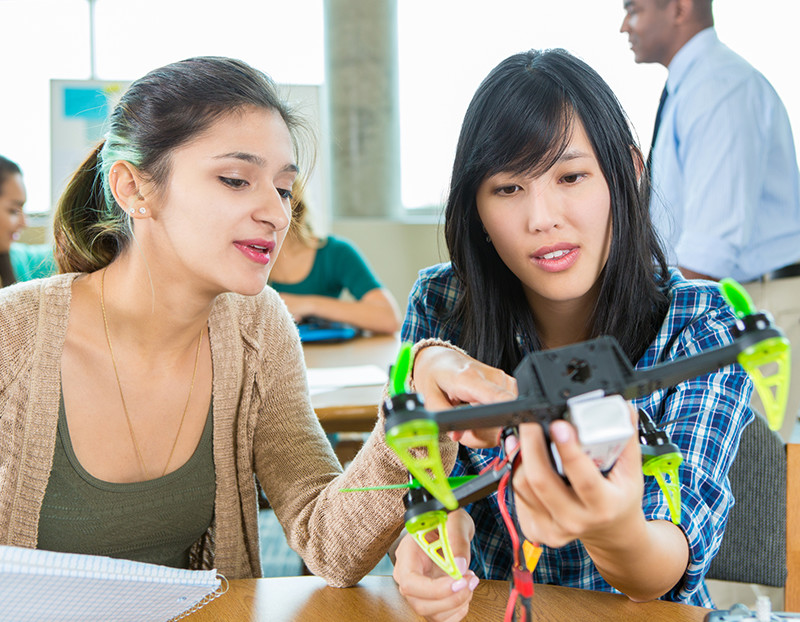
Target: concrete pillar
363,107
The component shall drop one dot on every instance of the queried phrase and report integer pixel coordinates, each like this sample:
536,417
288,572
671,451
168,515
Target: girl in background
313,273
18,262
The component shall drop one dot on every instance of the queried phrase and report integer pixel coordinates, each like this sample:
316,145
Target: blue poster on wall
78,113
79,110
88,103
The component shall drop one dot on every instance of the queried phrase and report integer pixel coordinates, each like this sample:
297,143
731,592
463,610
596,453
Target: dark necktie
657,124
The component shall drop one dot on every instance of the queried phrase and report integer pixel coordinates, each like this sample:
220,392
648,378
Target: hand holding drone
587,384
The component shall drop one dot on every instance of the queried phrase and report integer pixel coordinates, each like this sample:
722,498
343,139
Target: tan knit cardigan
263,424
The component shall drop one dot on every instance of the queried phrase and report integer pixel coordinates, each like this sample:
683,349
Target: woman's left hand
425,586
591,507
446,378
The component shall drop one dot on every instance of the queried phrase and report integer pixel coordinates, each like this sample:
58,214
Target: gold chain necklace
122,397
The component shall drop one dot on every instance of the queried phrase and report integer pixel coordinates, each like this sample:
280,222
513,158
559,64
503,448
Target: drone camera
604,427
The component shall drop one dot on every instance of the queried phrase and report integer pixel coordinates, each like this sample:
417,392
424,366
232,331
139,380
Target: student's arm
430,592
446,376
376,311
373,308
340,536
643,559
704,417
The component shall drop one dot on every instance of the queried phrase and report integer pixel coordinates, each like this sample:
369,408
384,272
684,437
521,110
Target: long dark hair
520,121
158,113
7,169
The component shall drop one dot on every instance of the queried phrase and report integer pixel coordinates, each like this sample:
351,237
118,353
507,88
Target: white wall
396,251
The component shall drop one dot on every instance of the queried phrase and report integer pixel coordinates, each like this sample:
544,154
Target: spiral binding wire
222,589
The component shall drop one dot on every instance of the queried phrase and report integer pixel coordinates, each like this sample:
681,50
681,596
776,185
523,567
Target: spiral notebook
59,587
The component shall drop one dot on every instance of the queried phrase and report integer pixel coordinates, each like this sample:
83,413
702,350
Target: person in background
725,182
311,274
18,262
548,231
143,387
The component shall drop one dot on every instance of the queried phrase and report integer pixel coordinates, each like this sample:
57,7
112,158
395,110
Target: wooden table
351,409
376,599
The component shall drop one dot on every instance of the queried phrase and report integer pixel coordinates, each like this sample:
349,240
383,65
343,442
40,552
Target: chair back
792,588
753,549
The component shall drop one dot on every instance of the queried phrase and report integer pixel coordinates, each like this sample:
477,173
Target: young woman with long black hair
551,244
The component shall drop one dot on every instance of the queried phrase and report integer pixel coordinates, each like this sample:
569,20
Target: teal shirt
338,266
32,261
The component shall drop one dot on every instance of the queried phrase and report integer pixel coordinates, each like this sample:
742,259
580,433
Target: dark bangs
528,134
520,121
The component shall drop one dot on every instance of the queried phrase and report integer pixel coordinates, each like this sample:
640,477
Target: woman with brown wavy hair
143,388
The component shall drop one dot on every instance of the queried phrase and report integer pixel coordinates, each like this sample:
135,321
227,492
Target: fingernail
461,564
459,585
560,431
473,583
512,442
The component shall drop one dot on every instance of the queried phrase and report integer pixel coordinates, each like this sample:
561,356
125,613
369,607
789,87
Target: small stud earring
131,211
142,210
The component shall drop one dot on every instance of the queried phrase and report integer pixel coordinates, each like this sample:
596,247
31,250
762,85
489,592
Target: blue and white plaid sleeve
430,301
709,413
431,297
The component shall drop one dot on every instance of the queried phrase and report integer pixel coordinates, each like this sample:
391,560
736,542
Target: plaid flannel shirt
698,319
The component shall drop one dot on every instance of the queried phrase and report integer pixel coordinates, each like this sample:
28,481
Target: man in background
725,185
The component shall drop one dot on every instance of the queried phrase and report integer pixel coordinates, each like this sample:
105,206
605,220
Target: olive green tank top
156,521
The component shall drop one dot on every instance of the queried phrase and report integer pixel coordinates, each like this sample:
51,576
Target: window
52,40
445,48
448,46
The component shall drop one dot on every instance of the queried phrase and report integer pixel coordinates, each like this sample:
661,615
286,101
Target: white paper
322,379
40,585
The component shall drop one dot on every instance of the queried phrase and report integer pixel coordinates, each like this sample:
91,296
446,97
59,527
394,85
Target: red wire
502,486
512,601
496,463
501,501
512,532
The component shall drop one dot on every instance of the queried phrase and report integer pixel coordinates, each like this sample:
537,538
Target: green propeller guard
400,370
777,351
423,434
455,481
737,297
439,549
665,469
773,389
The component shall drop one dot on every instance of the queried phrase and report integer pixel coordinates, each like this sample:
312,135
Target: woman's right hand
446,378
430,592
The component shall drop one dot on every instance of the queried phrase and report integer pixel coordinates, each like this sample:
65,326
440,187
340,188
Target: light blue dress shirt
726,188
